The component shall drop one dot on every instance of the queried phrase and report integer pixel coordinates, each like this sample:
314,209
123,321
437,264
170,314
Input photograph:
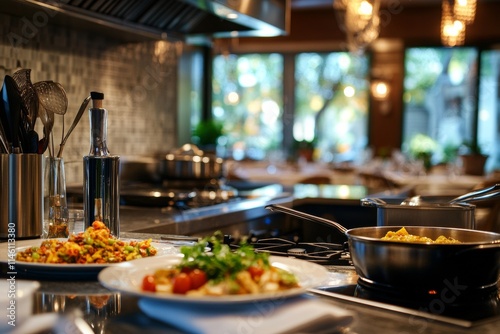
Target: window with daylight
488,119
446,108
331,104
248,100
330,99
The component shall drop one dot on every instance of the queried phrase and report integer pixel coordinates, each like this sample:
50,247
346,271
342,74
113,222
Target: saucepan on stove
392,213
139,169
474,263
418,211
189,162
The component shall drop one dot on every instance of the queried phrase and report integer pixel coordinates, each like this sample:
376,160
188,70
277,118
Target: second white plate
63,271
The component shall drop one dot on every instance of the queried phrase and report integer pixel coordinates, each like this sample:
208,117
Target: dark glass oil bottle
101,196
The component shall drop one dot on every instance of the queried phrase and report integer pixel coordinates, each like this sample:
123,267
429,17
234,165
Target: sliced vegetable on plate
220,272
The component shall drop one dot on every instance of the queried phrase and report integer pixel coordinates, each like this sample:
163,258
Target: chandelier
360,20
457,14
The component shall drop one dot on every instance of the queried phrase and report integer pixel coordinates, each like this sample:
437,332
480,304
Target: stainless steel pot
135,169
461,215
416,211
189,162
472,264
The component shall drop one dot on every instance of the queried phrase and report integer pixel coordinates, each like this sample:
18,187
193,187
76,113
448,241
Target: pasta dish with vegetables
220,272
403,235
94,245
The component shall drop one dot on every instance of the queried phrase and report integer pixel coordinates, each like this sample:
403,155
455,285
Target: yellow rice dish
402,235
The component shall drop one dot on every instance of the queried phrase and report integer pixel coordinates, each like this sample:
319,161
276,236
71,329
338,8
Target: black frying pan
472,264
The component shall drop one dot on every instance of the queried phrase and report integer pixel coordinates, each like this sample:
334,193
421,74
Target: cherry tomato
182,284
198,278
148,283
186,270
255,272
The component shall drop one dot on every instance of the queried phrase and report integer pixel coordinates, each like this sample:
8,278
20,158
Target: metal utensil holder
21,196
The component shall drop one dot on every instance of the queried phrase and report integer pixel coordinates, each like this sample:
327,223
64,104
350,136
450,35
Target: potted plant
305,149
450,154
473,160
206,133
422,148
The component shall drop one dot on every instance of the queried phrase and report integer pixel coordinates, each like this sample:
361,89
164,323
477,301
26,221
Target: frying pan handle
306,216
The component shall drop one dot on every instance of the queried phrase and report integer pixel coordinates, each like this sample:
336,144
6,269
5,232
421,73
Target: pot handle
370,201
479,195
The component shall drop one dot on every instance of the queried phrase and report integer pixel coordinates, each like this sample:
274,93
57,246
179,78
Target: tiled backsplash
139,82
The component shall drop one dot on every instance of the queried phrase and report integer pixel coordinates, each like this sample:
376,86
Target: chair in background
376,181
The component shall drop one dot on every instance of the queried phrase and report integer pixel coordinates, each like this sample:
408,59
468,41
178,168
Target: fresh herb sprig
221,261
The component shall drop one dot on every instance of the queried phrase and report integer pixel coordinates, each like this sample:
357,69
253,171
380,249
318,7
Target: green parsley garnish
221,261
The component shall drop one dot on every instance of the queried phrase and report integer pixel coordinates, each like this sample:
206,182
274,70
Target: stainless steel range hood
185,20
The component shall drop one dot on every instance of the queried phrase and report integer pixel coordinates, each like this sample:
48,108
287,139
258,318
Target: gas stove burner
317,252
180,194
156,197
214,196
296,251
475,307
192,184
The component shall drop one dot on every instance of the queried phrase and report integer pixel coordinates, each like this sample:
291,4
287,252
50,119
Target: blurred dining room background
390,93
395,100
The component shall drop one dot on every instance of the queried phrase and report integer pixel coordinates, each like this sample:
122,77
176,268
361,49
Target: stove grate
317,252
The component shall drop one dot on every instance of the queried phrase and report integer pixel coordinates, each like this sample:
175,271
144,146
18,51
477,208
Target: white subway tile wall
139,82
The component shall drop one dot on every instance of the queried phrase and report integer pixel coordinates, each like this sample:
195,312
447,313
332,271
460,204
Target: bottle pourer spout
97,98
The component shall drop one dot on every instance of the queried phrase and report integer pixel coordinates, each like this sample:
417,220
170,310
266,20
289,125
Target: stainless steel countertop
119,313
112,312
171,220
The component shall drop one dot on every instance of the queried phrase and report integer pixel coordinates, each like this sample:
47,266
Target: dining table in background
289,174
435,184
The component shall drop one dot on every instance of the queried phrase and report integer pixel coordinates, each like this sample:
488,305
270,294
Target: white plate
127,277
63,271
20,294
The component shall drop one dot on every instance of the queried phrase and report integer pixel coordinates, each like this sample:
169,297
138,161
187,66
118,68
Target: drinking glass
55,202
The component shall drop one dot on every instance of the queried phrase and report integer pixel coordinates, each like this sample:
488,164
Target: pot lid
191,152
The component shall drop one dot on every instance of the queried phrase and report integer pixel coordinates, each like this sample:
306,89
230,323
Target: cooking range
454,304
180,194
323,253
192,196
183,178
